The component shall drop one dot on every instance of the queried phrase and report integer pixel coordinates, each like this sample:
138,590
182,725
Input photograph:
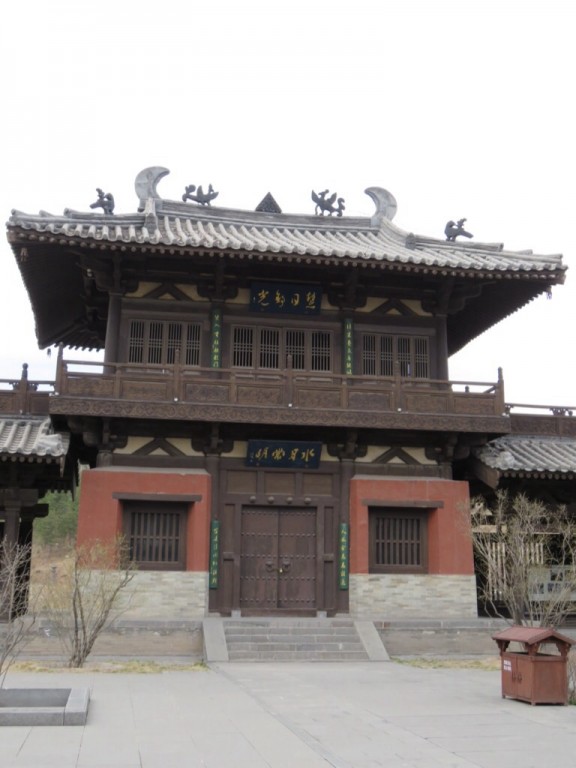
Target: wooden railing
557,420
19,396
283,389
222,390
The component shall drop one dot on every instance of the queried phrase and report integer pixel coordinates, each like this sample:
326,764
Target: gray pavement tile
324,715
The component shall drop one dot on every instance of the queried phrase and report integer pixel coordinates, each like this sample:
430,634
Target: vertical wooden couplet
216,346
348,347
343,550
214,553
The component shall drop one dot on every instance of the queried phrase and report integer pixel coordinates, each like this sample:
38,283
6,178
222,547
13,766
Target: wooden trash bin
530,675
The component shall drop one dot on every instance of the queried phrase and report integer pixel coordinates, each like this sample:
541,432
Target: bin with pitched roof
530,673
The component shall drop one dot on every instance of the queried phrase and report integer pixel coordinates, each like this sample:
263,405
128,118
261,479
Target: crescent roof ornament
385,202
146,182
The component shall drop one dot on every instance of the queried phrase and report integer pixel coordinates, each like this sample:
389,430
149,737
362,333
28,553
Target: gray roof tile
31,437
177,224
522,453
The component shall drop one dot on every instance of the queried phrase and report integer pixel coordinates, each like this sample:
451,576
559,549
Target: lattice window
242,347
156,534
380,352
157,342
369,354
404,356
386,358
192,346
136,341
321,351
398,541
173,342
296,347
421,358
269,348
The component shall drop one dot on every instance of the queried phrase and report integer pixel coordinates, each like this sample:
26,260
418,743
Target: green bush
62,520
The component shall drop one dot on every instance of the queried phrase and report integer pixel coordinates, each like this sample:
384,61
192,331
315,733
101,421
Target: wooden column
213,469
441,349
113,328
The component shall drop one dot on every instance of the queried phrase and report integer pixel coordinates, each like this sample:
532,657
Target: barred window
269,348
380,351
156,534
242,347
398,541
160,342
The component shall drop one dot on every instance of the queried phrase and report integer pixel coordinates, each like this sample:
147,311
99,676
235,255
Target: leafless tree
83,600
15,621
525,555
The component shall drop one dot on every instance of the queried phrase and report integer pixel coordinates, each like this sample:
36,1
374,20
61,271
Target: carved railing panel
425,402
370,401
477,404
308,397
146,390
255,394
90,386
563,425
206,393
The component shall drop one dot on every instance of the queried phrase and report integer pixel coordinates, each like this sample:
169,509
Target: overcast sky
460,109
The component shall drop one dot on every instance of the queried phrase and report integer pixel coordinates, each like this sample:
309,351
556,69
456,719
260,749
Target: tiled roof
174,224
26,438
522,453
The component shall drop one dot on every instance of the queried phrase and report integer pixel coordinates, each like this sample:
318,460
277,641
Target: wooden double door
278,560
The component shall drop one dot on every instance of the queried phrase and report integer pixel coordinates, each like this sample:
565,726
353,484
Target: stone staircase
291,639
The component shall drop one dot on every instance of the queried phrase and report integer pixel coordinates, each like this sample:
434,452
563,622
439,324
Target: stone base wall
411,595
165,595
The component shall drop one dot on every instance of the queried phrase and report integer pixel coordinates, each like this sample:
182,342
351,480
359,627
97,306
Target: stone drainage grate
44,706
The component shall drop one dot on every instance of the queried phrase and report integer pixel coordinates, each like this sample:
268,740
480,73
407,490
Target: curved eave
56,288
503,297
22,458
541,272
536,474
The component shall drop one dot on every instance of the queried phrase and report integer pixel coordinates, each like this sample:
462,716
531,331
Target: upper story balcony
287,397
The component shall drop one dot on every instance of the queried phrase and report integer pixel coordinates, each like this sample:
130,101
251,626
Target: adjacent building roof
27,438
530,455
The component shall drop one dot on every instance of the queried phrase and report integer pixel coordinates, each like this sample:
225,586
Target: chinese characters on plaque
283,453
285,298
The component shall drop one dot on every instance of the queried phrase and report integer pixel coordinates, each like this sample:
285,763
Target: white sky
459,108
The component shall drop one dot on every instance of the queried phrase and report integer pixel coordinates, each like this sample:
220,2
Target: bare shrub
15,622
525,559
571,666
83,600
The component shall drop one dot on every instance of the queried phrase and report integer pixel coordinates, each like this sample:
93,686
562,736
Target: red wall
100,514
449,537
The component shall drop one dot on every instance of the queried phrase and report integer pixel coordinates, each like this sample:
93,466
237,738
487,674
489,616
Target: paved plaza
346,715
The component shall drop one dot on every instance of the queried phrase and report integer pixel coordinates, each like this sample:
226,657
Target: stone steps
293,640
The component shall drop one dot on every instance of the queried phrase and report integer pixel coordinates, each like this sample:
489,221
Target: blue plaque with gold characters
283,453
285,298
